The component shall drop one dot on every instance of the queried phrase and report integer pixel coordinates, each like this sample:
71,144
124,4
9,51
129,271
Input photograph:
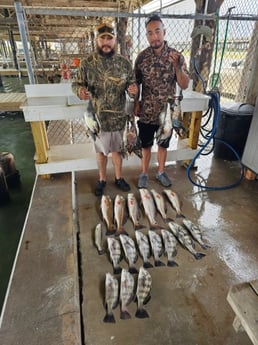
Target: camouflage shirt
107,78
158,78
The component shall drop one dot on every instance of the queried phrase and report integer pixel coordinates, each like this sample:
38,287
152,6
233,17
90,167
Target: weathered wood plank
12,101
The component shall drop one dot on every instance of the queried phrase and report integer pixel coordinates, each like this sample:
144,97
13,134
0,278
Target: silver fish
99,239
130,252
175,202
143,292
160,205
185,239
149,207
157,248
119,212
170,244
195,232
134,211
144,248
131,141
111,297
126,293
114,248
91,121
107,213
165,129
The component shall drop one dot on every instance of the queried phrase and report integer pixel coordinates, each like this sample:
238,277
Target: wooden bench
243,299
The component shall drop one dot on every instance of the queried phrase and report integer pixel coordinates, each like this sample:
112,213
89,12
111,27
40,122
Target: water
16,138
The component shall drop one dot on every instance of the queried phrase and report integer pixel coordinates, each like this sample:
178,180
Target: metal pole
21,24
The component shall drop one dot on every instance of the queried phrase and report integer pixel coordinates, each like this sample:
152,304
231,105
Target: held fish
126,293
164,131
195,232
134,211
107,213
149,207
143,292
185,239
131,143
144,248
175,202
111,297
170,244
160,205
99,239
119,211
130,252
91,121
114,248
157,248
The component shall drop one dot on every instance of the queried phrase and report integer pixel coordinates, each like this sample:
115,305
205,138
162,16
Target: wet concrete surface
188,303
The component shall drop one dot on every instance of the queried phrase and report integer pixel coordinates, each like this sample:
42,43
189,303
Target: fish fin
110,232
158,263
198,255
171,263
109,318
133,269
147,264
141,313
125,315
117,270
101,252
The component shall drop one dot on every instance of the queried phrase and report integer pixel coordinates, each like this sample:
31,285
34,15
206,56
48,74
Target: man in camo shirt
157,69
105,77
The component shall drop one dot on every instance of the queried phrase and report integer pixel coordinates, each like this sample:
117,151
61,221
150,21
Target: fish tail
198,255
109,318
117,270
133,269
101,251
205,246
119,232
125,315
167,220
110,232
141,313
159,263
138,227
154,227
180,215
171,263
147,264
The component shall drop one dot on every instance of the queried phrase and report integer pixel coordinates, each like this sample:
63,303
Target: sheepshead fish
175,202
134,211
107,213
143,292
185,239
130,252
144,248
165,129
149,207
91,121
170,243
111,297
157,248
160,205
99,239
126,293
119,211
131,142
114,248
195,232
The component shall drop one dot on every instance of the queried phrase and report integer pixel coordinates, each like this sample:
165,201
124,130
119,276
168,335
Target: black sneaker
121,184
100,188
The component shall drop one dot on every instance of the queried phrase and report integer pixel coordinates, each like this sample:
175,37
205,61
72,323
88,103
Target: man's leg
119,181
102,164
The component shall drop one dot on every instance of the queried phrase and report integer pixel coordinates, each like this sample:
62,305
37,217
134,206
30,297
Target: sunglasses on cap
153,18
106,30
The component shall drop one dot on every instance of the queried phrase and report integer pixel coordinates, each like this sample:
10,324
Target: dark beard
107,55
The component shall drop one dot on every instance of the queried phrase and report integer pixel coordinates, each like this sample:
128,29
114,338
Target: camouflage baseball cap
105,29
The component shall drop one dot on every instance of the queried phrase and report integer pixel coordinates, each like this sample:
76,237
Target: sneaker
100,188
164,179
121,184
143,181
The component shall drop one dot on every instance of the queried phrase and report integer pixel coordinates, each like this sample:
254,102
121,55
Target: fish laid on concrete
164,131
111,297
107,213
119,213
170,243
144,248
157,248
175,202
130,252
98,238
149,207
134,211
143,292
126,293
91,121
195,232
160,205
184,238
114,248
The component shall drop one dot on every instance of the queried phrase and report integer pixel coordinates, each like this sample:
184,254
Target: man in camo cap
104,77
